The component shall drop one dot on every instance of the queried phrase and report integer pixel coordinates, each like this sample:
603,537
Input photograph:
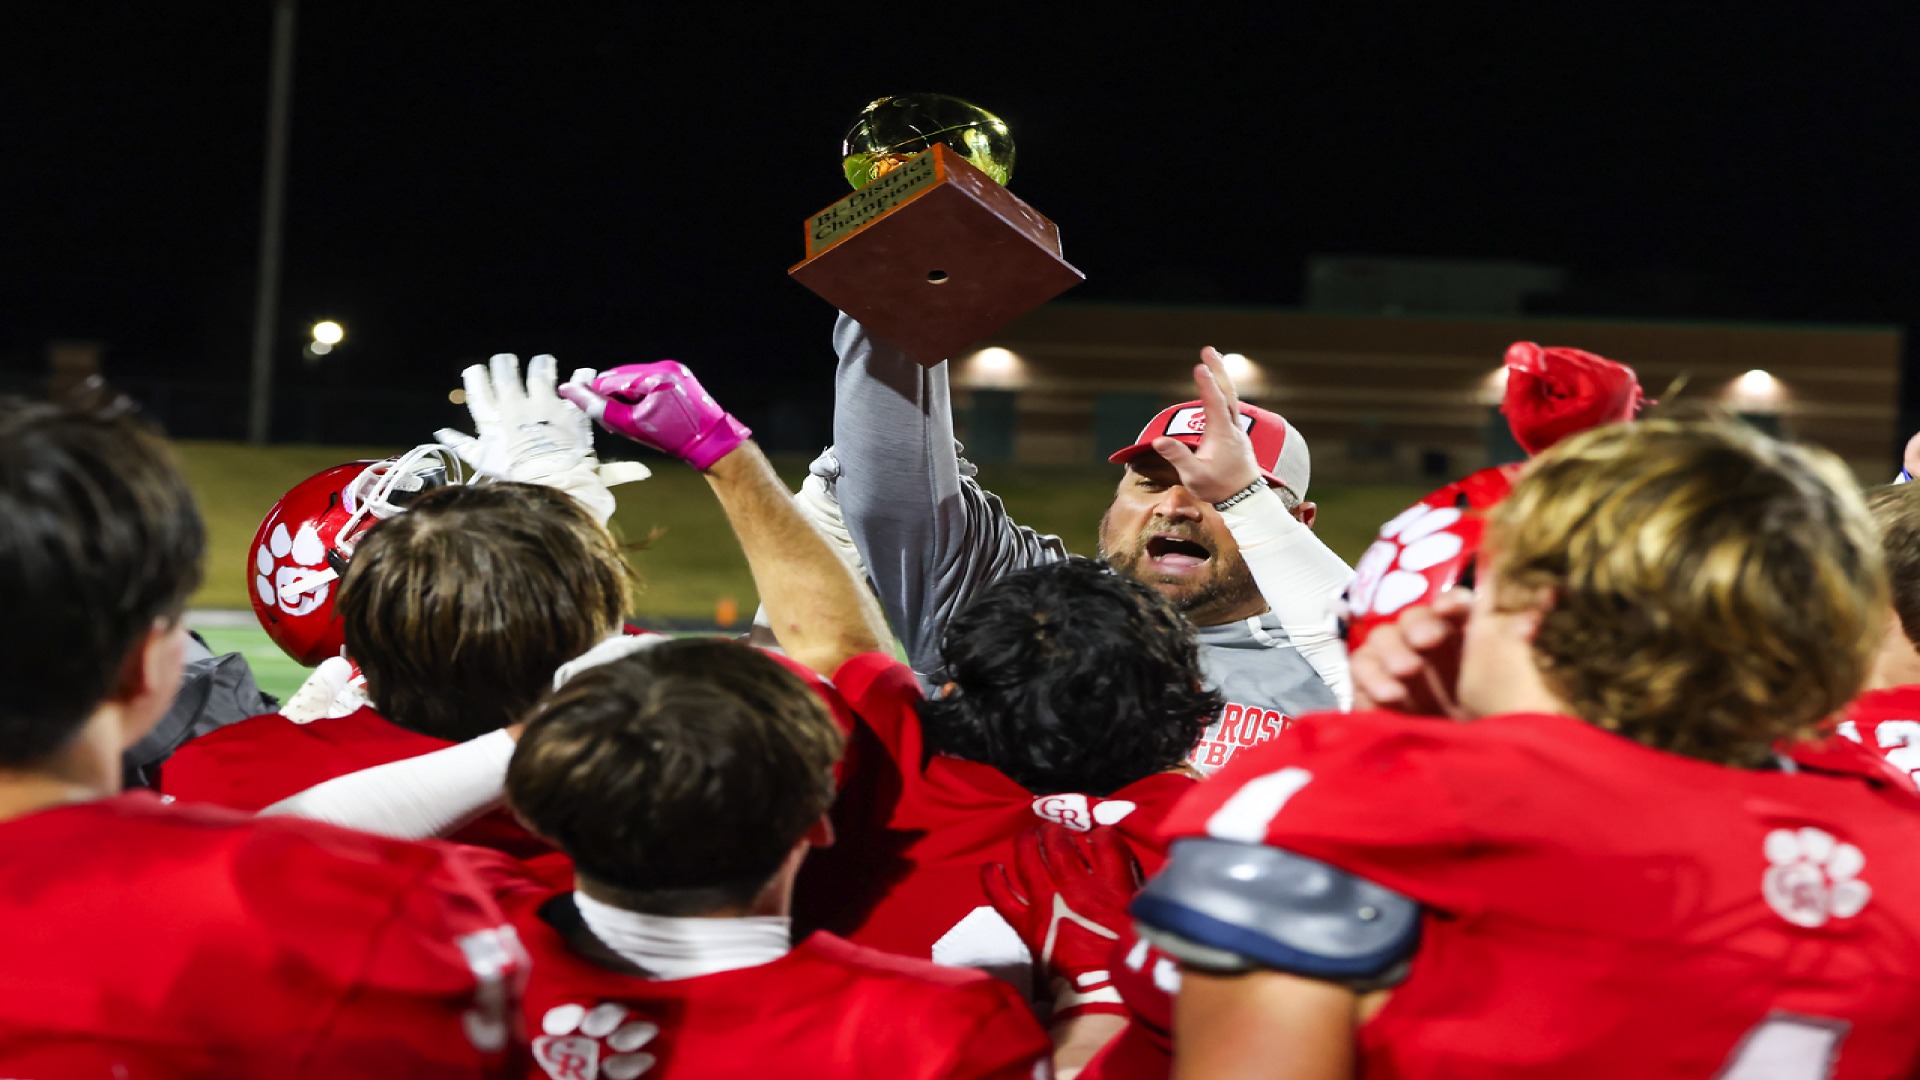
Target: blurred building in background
1391,367
1389,384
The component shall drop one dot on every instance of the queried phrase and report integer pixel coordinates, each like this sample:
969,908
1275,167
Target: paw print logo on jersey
1812,878
578,1043
284,558
1393,572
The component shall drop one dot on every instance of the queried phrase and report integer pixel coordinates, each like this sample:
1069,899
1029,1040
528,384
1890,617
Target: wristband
1242,495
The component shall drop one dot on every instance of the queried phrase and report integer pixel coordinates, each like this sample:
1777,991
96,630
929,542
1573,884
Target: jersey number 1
1786,1046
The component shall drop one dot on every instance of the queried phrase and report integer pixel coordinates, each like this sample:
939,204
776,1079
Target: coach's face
1157,532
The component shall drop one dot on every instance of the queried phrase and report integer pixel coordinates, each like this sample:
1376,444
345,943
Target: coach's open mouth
1170,553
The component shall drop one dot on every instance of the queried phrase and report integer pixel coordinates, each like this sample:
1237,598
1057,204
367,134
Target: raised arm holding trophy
931,251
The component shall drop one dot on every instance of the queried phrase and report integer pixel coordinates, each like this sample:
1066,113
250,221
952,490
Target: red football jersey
1594,908
916,829
1887,722
827,1009
257,762
149,941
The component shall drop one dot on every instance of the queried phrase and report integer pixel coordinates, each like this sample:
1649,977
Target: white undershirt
1300,578
667,947
416,798
431,795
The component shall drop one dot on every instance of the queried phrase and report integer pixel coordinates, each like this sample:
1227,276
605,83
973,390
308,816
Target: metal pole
272,210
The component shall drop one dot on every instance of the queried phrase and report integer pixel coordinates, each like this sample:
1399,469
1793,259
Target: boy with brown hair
688,781
1635,860
458,612
158,940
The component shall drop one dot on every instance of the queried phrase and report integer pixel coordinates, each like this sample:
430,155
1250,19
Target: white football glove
819,504
332,691
530,434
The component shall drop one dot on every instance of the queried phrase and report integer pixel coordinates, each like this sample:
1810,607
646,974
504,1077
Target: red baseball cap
1278,447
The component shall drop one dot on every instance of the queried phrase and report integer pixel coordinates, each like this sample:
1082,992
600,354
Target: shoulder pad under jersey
1226,906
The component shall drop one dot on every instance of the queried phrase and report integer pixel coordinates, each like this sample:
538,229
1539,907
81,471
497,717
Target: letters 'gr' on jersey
1595,908
827,1009
915,829
152,942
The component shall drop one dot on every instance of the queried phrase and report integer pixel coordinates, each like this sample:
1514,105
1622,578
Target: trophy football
931,252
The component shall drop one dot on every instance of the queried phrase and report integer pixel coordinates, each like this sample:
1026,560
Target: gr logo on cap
1278,447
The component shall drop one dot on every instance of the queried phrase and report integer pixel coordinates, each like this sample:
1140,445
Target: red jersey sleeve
437,992
886,695
1359,791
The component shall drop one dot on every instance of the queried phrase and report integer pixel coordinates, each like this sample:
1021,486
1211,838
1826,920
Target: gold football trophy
931,252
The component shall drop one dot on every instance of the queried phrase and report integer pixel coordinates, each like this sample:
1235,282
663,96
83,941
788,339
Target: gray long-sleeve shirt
931,537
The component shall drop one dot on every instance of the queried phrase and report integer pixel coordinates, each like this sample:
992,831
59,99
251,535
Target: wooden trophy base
934,256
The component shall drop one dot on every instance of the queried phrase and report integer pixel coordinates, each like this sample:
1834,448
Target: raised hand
1412,664
1067,895
663,406
525,432
1224,462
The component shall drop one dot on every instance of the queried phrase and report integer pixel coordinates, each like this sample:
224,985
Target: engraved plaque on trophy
931,252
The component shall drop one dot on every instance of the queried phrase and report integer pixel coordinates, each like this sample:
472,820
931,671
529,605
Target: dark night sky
625,181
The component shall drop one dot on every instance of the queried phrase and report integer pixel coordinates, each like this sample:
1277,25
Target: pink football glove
663,406
1067,897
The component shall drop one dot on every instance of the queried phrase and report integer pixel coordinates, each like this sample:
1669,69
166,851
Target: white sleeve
1301,579
416,798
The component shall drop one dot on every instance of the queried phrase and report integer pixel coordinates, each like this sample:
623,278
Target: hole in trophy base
936,277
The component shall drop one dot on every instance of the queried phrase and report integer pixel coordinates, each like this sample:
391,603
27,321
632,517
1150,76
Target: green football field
683,554
274,670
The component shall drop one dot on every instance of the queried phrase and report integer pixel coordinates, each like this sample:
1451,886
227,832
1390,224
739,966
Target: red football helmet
303,546
1424,551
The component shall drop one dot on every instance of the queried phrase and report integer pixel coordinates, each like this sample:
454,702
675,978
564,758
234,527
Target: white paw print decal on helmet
1812,877
284,559
1392,572
578,1043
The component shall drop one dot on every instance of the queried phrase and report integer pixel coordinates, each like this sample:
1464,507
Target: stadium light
1493,386
329,333
1247,376
996,361
1757,389
995,367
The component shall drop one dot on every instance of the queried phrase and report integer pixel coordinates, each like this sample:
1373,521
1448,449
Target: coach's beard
1207,597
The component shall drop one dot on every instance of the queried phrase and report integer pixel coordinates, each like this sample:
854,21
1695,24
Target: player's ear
820,835
1526,623
149,678
1306,513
